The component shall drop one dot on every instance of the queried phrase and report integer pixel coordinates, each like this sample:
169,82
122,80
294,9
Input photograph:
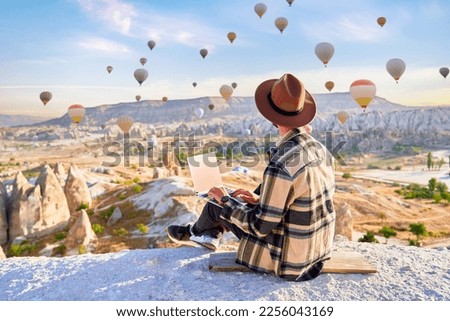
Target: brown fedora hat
285,102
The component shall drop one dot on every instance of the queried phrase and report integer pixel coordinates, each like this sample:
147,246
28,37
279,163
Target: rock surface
76,190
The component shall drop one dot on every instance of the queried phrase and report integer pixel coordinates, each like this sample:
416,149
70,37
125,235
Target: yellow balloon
125,123
342,116
76,113
363,91
226,91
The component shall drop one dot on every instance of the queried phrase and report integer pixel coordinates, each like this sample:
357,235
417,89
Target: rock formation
25,208
344,221
3,221
2,254
76,189
60,173
115,217
55,211
81,238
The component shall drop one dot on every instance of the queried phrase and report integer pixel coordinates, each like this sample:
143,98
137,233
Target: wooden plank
340,262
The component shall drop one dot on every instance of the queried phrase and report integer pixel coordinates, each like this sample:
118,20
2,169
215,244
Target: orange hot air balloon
203,53
125,123
226,91
109,69
363,91
45,97
281,23
76,113
381,21
231,36
329,85
260,9
342,116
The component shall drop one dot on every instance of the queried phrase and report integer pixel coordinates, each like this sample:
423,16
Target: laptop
205,174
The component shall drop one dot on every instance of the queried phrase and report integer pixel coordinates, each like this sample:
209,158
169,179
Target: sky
64,46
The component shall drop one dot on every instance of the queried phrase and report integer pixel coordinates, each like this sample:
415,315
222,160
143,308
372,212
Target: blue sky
64,46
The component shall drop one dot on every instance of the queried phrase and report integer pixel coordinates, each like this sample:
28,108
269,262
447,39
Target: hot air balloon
363,91
211,106
109,69
164,99
199,113
125,122
329,85
140,75
234,85
231,36
381,21
143,60
281,23
342,116
76,113
45,97
324,51
260,9
226,91
396,68
138,98
444,71
151,44
194,84
203,53
103,126
290,2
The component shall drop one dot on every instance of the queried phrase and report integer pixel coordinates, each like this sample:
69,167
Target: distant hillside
20,120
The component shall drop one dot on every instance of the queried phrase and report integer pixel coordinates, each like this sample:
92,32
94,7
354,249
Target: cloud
116,14
104,45
357,28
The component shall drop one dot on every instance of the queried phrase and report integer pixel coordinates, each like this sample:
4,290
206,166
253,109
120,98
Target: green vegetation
60,236
137,188
418,229
369,237
387,232
82,249
435,190
346,175
83,206
98,228
59,250
142,228
106,214
121,232
24,248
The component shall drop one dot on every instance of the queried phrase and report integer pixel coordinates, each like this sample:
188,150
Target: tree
418,229
429,160
387,232
432,184
440,163
369,237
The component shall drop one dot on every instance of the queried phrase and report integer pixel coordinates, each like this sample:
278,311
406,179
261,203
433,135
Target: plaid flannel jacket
290,231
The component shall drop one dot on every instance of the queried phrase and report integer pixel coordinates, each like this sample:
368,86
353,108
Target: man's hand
217,193
246,196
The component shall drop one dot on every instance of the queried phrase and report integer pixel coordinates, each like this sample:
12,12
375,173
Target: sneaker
180,235
207,241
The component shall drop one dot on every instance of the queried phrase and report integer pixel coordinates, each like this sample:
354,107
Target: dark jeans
210,223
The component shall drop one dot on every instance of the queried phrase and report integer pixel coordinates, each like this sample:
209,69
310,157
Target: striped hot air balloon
76,113
363,91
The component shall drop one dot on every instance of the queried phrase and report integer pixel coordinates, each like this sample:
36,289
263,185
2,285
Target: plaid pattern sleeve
291,230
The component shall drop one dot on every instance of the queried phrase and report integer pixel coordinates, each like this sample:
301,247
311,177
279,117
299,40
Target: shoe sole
187,243
206,245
